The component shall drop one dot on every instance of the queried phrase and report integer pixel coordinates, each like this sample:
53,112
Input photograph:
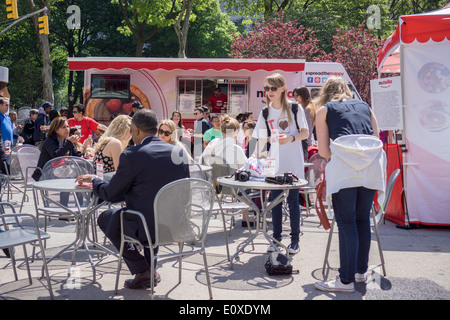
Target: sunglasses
166,133
270,88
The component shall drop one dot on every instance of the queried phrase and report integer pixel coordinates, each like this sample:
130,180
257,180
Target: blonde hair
173,127
119,128
229,123
334,89
277,80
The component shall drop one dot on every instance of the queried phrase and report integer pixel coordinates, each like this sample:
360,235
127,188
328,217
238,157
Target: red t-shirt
86,126
218,103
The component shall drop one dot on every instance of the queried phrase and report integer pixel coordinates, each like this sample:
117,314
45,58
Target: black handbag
278,264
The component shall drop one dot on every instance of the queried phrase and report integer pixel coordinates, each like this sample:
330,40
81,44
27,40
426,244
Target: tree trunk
183,31
44,46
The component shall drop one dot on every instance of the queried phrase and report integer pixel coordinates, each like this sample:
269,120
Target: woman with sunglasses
167,132
112,142
288,153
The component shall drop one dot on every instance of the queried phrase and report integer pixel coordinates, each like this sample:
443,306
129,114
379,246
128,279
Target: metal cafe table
238,189
82,216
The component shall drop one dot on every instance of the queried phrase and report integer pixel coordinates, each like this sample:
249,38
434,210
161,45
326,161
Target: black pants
109,223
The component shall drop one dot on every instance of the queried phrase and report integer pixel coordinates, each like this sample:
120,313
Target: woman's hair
56,124
250,124
180,124
277,80
334,89
119,128
303,92
172,127
228,124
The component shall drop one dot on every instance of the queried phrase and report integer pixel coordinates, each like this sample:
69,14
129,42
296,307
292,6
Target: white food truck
168,84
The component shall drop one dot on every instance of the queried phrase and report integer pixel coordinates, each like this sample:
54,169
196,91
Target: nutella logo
385,83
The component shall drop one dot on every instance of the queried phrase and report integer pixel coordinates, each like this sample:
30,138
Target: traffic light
43,25
11,9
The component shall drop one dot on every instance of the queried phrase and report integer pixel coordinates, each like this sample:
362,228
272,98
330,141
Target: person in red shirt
84,124
218,101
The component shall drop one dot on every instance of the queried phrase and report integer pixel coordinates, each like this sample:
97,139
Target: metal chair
62,168
27,157
182,210
313,174
15,234
225,202
377,217
11,175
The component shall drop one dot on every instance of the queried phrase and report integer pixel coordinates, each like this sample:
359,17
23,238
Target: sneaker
273,248
294,248
360,277
335,286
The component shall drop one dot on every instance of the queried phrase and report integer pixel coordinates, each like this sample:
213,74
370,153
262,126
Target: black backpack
265,112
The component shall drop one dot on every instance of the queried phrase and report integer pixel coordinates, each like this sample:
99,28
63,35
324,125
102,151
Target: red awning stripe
424,28
77,64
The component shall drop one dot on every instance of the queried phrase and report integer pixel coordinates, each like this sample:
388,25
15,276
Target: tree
277,39
357,49
252,8
44,45
143,18
181,26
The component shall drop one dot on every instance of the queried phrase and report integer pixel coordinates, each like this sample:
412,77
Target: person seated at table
167,132
58,143
214,132
113,141
143,170
87,144
225,151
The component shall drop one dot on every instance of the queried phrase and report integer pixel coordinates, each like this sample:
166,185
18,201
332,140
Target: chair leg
13,262
119,267
380,250
327,252
208,280
23,198
180,261
47,275
27,263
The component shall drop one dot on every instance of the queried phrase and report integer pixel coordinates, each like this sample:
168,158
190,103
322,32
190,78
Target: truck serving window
110,86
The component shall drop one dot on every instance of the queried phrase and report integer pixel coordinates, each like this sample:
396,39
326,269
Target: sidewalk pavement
417,264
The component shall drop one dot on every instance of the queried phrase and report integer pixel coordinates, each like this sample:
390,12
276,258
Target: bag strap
320,209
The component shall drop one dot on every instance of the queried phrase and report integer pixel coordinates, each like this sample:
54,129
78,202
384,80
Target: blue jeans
294,215
352,212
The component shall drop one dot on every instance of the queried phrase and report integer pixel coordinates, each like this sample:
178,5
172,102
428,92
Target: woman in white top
286,148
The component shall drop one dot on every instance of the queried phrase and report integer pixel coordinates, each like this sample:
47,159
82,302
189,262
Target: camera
242,175
286,178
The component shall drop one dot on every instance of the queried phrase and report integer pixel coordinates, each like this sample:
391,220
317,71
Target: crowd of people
139,149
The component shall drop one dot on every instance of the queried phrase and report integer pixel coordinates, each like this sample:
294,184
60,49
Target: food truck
163,85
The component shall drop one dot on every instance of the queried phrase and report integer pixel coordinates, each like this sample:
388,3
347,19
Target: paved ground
417,264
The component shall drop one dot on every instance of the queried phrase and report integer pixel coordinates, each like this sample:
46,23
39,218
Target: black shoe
141,280
245,224
7,253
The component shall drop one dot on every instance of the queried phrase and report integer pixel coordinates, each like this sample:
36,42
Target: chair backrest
389,187
316,170
66,167
220,168
28,156
14,166
196,171
182,211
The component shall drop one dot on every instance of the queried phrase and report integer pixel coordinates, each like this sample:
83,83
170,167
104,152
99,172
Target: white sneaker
335,286
360,277
274,248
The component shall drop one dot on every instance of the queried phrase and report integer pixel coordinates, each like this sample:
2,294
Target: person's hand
88,141
20,139
283,139
73,138
86,178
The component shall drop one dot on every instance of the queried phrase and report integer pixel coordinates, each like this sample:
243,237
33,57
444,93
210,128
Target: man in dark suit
143,170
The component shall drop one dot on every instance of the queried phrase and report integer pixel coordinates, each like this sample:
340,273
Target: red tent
424,42
423,27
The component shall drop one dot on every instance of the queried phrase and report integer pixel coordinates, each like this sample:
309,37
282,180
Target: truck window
110,86
195,92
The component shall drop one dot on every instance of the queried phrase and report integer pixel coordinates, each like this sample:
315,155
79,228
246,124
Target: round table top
63,185
259,184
